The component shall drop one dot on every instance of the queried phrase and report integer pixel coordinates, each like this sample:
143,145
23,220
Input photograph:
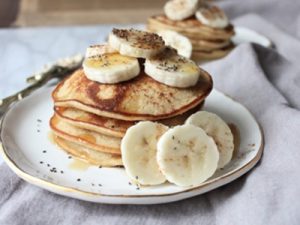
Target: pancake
108,126
190,27
141,98
215,54
90,139
209,45
88,154
90,121
208,42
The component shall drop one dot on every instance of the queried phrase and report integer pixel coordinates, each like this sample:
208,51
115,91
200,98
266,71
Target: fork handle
6,102
53,73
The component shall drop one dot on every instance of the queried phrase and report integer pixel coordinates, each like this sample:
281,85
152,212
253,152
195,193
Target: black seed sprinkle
44,151
175,148
100,185
69,157
61,171
93,184
41,162
136,177
39,120
173,137
137,188
38,131
48,165
129,183
53,170
100,167
78,179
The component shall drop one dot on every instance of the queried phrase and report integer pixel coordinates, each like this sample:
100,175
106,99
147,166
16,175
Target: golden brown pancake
190,27
108,126
90,139
141,98
209,45
199,55
90,121
88,154
208,42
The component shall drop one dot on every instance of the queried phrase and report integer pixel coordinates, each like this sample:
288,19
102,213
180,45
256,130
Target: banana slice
215,127
186,155
111,68
178,41
95,50
172,69
180,9
138,149
136,43
212,16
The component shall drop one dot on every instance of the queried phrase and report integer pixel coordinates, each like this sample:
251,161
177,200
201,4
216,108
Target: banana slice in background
139,148
180,9
173,70
215,127
111,68
95,50
187,155
136,43
212,16
178,41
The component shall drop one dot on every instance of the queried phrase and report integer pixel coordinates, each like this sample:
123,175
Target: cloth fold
268,195
267,82
285,44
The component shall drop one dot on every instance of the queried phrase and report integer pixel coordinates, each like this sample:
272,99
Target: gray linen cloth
267,81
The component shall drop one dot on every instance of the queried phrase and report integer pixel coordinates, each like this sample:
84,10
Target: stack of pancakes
91,118
208,42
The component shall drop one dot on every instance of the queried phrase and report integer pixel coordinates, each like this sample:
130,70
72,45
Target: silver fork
58,70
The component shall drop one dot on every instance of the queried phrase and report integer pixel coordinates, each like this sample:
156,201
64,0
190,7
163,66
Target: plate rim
60,188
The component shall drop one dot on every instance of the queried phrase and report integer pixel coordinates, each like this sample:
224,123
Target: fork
58,70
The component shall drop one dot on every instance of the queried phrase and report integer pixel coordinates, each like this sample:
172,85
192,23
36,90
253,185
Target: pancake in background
88,154
190,27
209,45
215,54
90,139
142,98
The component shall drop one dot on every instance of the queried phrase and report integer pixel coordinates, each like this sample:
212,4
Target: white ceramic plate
30,153
244,35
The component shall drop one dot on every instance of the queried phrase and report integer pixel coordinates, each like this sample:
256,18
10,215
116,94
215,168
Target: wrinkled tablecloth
267,81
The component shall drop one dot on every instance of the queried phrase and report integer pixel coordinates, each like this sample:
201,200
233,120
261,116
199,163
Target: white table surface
24,51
